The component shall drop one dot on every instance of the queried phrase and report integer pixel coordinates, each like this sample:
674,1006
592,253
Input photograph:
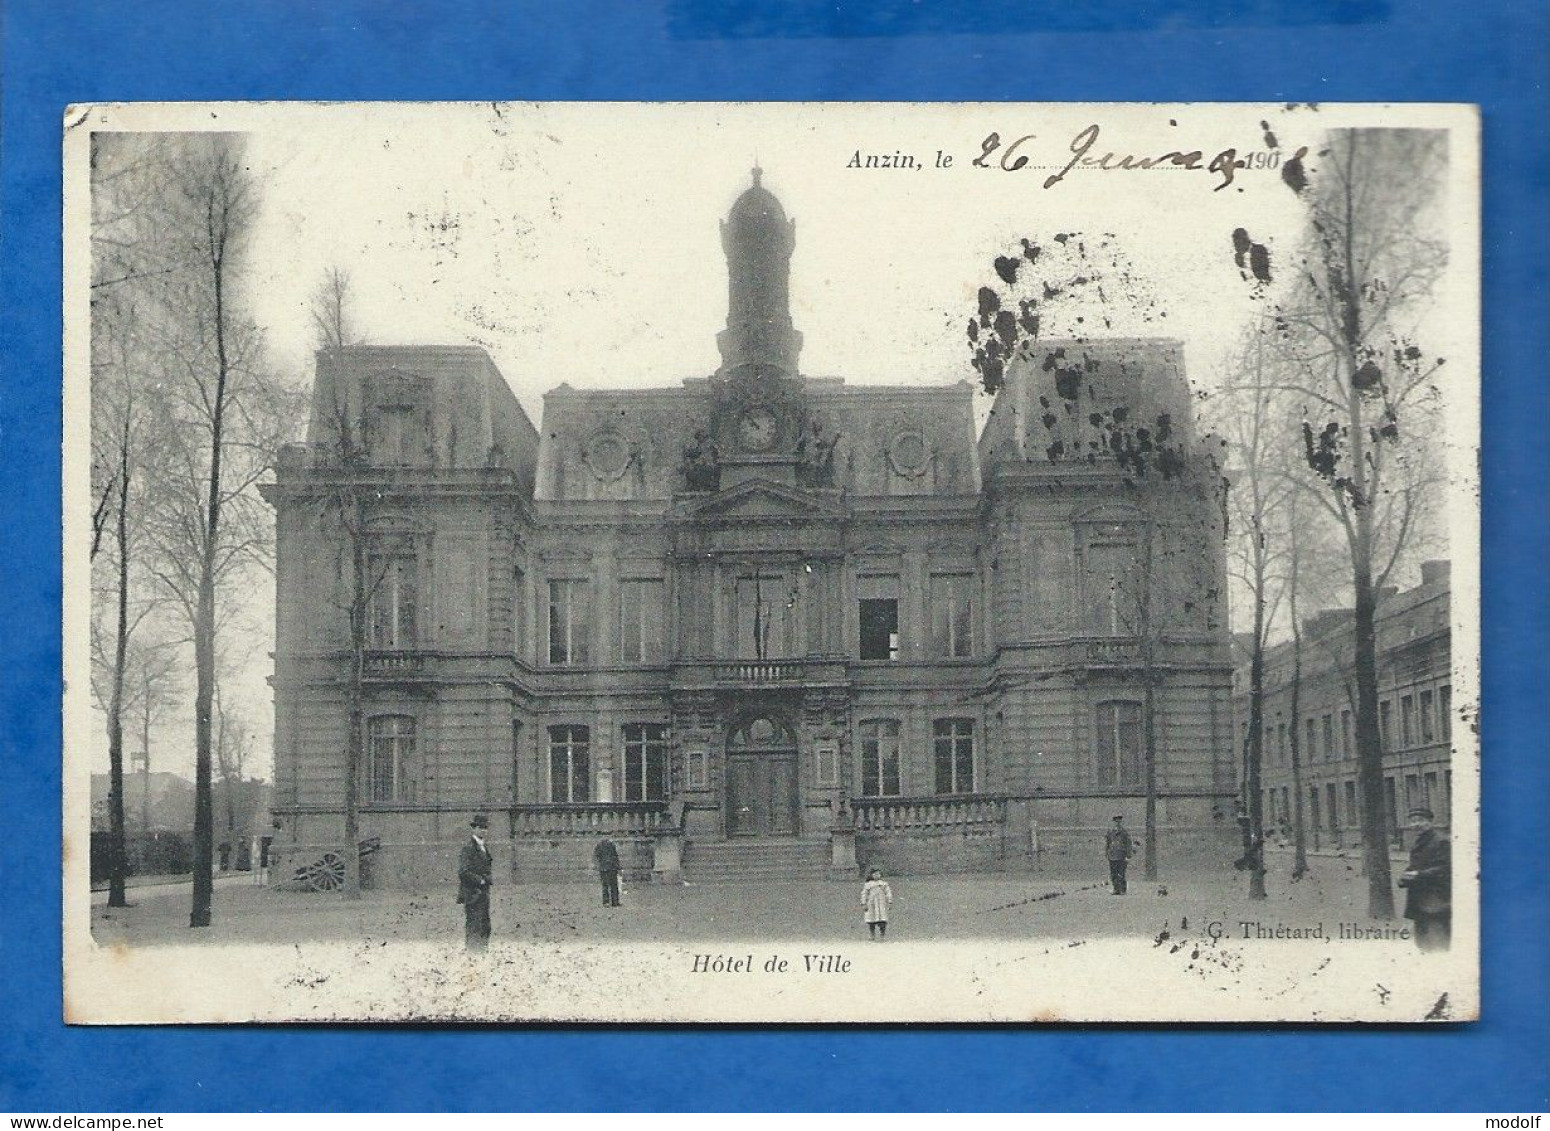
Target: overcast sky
580,243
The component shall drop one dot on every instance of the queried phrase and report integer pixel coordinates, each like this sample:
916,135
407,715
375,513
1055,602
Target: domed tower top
758,241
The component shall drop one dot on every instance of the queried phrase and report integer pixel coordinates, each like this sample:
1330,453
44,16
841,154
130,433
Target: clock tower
760,413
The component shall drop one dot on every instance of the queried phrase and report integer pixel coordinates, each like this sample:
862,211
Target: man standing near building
1118,847
607,857
474,875
1428,884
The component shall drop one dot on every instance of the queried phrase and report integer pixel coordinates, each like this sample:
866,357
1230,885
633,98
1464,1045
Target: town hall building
757,622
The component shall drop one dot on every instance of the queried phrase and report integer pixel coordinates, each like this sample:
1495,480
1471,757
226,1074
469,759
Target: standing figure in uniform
1119,848
607,857
474,876
1428,884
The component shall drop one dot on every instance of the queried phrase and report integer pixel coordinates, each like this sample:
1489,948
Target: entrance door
761,780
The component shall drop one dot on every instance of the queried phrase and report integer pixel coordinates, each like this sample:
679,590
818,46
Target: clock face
757,428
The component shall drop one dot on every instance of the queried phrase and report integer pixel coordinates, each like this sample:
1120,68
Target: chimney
1435,572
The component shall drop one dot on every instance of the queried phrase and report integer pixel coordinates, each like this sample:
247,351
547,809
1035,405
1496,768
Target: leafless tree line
186,419
1331,413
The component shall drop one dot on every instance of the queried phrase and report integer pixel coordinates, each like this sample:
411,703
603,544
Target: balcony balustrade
760,673
394,664
589,819
900,814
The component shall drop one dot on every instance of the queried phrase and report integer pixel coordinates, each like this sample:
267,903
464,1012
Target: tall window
645,762
1281,742
1119,743
394,598
765,602
1312,741
1385,724
1406,721
1329,738
1345,733
389,753
640,620
1112,579
395,435
570,771
880,758
1428,730
1352,817
1445,712
952,615
878,599
954,755
570,602
1390,805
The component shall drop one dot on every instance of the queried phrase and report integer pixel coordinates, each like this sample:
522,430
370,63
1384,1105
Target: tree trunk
359,597
117,857
1149,709
1369,746
204,618
1375,846
204,686
1254,851
1299,828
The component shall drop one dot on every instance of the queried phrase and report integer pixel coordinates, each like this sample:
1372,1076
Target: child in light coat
876,898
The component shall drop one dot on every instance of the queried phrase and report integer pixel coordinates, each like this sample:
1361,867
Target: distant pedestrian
1428,884
475,873
607,857
1119,848
876,899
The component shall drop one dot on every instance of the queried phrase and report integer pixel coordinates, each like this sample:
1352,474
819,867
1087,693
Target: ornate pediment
757,500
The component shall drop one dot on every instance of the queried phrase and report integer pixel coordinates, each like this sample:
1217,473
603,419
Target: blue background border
1492,53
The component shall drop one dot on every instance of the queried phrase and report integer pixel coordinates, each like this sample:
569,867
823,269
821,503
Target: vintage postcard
771,563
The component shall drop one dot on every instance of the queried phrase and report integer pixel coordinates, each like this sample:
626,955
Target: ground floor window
1119,743
570,771
389,753
880,758
954,740
645,762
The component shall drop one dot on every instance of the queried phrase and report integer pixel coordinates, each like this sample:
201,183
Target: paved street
925,908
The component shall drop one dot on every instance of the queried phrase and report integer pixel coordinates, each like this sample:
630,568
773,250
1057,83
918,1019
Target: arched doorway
761,779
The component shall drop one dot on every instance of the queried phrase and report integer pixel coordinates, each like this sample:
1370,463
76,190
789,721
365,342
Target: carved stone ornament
607,452
909,454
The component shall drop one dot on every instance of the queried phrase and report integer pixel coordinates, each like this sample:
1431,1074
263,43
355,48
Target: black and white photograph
803,562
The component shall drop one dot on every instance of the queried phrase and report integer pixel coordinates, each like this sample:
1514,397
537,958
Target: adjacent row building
758,617
1415,715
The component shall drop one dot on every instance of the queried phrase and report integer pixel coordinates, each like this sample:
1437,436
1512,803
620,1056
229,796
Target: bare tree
1253,418
1356,287
224,417
127,183
366,557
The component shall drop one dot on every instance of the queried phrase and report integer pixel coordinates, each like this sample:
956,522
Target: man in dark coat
1428,884
607,857
474,876
1118,847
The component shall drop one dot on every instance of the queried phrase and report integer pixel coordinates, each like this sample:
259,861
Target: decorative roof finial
757,173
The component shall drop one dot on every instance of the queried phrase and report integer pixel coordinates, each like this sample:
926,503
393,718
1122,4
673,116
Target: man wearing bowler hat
1119,848
474,875
1428,883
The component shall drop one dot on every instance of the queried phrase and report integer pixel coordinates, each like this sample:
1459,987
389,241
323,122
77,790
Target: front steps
756,861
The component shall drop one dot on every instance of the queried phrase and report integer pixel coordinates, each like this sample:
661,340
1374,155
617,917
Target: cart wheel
328,873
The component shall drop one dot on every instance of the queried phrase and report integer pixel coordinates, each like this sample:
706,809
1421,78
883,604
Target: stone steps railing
589,819
886,814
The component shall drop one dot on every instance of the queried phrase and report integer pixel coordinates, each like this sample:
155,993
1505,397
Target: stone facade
1415,716
759,605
